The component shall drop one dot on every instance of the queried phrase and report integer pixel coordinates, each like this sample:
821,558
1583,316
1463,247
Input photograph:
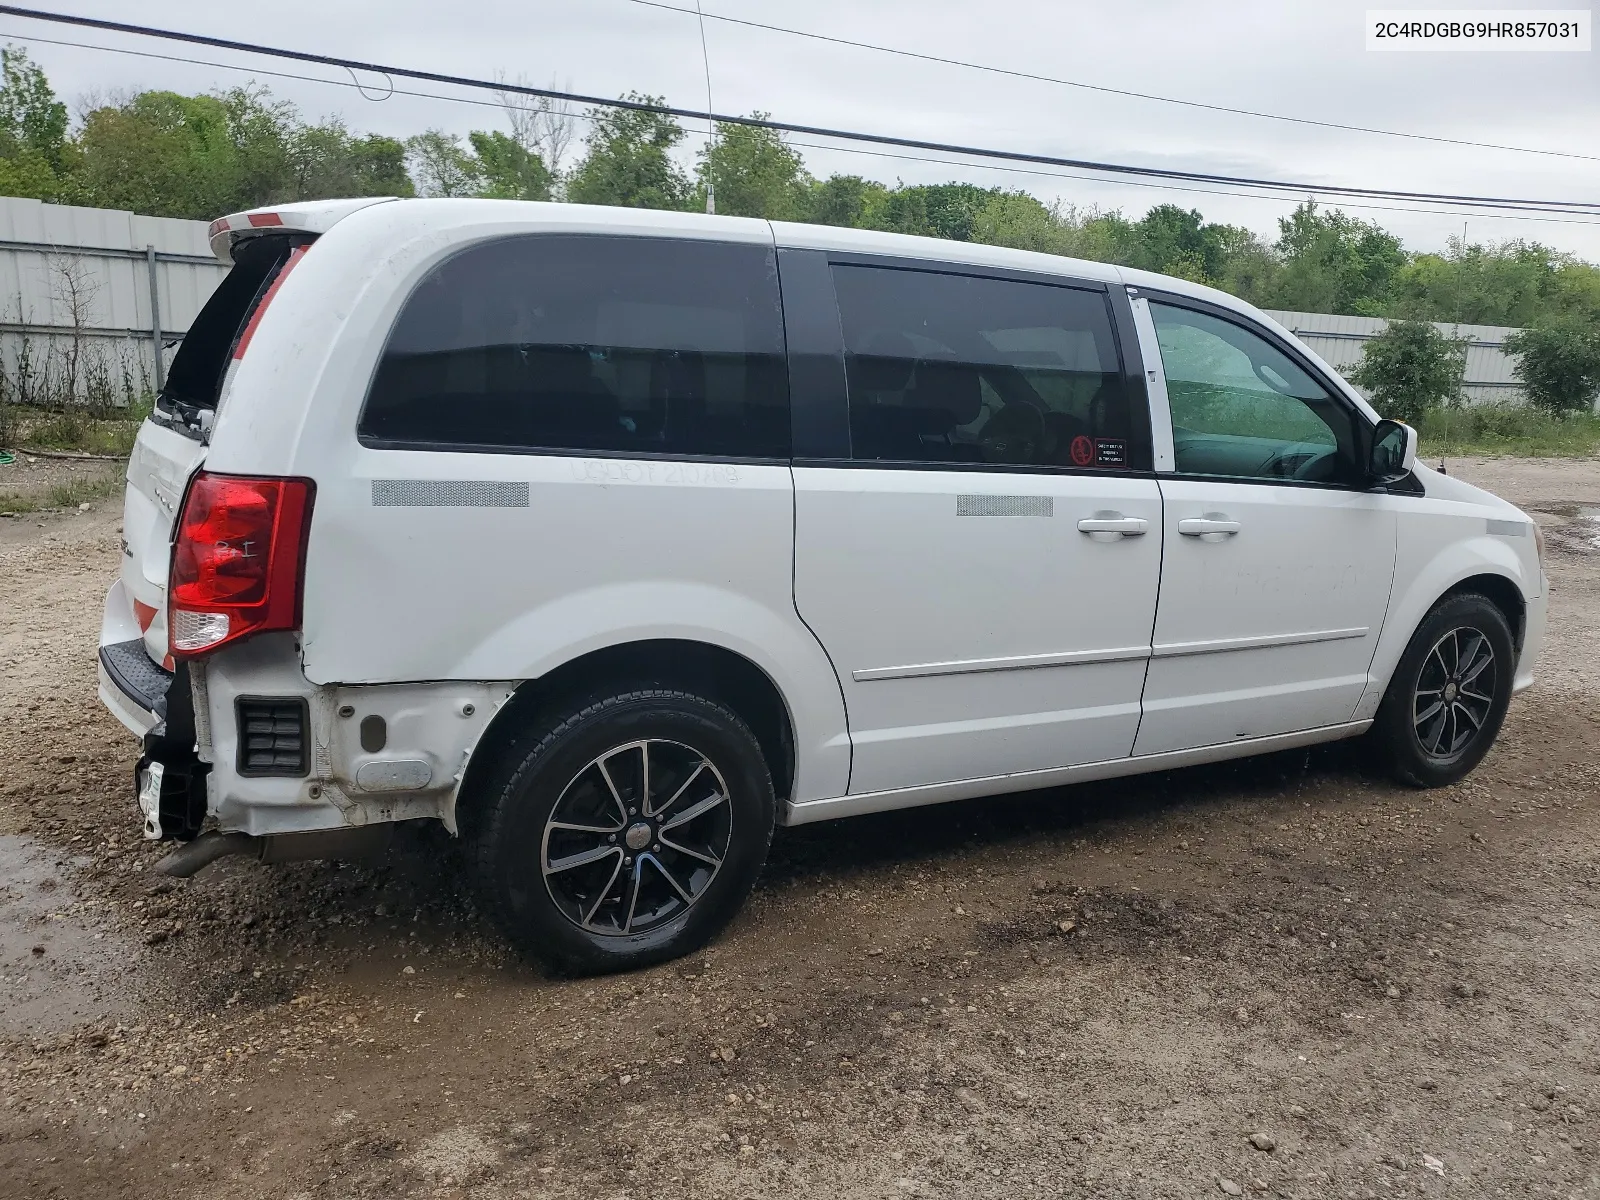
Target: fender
577,623
1425,570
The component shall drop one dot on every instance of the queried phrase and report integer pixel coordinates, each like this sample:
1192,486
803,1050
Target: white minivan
612,539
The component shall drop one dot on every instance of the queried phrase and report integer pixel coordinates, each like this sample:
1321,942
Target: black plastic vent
272,736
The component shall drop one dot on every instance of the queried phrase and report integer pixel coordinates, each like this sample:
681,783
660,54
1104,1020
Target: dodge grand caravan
611,539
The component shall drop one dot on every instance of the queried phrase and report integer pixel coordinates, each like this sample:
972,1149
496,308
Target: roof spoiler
311,217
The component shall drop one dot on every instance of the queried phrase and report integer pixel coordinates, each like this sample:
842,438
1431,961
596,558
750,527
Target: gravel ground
1282,977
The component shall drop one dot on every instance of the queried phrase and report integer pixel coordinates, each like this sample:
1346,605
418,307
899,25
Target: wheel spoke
661,870
570,827
1478,696
1476,724
711,859
695,810
582,859
683,787
1479,664
1436,737
622,809
632,892
604,892
644,777
1433,709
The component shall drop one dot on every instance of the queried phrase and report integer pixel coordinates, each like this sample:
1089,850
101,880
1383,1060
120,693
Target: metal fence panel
1488,377
75,298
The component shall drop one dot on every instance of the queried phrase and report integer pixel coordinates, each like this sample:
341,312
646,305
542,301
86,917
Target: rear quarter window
589,344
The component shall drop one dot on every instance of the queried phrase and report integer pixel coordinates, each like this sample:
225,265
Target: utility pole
155,317
711,129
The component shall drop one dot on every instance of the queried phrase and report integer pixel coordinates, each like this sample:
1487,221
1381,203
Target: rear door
977,528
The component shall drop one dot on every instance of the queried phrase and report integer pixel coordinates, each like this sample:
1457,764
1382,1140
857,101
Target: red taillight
238,560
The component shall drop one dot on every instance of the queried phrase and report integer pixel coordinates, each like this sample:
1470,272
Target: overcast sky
1296,58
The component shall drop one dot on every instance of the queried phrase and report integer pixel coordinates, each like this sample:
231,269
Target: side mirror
1394,452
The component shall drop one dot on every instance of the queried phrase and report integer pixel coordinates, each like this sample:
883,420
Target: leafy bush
1558,364
1411,368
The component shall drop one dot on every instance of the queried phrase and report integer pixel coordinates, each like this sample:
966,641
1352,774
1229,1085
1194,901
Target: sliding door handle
1211,523
1114,523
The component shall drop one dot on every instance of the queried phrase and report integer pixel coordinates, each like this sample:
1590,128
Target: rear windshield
195,376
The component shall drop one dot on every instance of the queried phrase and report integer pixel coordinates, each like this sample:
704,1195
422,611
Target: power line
1565,207
357,86
1110,91
390,90
1199,191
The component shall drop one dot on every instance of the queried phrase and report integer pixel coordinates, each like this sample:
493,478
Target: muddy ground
1284,977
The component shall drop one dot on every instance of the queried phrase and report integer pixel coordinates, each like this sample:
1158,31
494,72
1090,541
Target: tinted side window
1242,408
958,368
563,342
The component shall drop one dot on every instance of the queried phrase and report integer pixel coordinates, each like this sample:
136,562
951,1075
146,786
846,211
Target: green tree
1516,283
1558,364
34,151
440,166
849,201
1335,263
508,170
163,154
1103,237
326,160
1411,368
755,173
628,160
198,156
1023,222
1176,241
943,210
32,120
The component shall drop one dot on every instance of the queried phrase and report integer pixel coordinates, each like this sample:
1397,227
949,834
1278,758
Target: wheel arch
704,667
1480,567
1500,591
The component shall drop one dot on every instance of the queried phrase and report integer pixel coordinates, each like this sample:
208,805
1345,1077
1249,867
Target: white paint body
920,655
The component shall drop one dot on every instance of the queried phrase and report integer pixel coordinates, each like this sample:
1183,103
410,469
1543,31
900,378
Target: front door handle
1211,523
1114,523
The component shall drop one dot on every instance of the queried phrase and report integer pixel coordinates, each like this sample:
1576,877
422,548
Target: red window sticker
1110,452
1082,450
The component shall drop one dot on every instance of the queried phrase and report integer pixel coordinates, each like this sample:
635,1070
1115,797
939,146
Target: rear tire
1449,694
625,833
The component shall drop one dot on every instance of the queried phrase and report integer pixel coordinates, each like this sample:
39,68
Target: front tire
1449,695
626,833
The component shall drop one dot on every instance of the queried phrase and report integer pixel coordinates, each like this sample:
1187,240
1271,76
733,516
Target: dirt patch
1287,974
44,493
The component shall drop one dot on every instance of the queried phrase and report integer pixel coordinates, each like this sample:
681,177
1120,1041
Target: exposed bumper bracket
192,857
